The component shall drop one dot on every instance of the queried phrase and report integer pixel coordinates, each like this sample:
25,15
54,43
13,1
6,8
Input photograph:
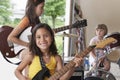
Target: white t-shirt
99,52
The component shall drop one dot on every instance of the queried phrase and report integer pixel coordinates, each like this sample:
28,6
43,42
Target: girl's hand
78,61
24,78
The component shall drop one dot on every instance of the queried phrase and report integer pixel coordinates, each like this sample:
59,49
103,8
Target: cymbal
67,35
114,55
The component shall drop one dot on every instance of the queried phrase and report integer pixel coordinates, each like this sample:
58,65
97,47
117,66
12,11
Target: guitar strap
42,62
42,73
44,67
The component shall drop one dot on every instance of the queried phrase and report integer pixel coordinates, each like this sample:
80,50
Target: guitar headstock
105,42
80,23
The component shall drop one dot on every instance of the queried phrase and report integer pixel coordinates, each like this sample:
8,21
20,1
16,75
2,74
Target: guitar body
9,49
24,36
5,48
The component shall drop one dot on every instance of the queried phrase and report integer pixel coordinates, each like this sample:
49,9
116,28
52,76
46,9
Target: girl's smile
43,39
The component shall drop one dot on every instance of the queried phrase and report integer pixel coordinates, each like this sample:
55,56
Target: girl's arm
19,70
13,37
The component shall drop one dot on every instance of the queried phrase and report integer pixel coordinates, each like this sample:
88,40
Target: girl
42,44
34,9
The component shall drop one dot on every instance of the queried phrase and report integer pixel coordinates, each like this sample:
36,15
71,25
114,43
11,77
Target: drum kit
112,54
114,48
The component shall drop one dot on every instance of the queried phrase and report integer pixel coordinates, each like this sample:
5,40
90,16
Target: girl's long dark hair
30,11
33,47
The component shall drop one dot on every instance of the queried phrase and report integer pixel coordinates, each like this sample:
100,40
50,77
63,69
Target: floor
7,69
115,70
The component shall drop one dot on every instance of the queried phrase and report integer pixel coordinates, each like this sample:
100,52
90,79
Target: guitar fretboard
61,29
77,24
70,65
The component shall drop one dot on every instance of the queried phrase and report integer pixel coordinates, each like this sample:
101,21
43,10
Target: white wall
101,11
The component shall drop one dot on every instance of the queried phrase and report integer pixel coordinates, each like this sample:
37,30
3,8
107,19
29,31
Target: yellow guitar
71,64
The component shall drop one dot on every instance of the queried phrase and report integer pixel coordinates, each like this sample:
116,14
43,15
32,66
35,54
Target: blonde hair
102,26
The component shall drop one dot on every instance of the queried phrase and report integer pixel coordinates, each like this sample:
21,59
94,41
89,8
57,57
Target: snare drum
114,55
105,76
114,48
108,76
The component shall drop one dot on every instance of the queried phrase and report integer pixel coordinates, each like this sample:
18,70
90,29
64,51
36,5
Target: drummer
98,55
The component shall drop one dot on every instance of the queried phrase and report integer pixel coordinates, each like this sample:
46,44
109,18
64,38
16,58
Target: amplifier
78,74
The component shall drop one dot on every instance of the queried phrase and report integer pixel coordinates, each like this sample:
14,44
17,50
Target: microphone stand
96,64
63,49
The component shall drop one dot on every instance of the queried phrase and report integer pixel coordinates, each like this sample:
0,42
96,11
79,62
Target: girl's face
39,9
100,32
43,39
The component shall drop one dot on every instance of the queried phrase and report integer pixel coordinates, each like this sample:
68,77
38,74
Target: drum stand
63,50
96,64
94,70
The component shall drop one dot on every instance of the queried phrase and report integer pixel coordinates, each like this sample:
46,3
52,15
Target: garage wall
101,11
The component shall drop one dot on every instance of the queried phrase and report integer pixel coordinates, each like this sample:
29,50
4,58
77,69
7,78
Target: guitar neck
70,65
77,24
61,29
